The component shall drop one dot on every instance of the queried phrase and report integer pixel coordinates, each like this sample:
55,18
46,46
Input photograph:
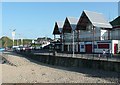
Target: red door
88,48
115,48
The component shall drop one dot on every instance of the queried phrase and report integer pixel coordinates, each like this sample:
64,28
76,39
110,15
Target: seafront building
91,33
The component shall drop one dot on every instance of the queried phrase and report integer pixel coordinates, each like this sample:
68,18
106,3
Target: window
95,46
82,46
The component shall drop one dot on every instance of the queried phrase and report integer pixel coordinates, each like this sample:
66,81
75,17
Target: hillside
7,42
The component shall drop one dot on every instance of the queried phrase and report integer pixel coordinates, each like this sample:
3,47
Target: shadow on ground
108,75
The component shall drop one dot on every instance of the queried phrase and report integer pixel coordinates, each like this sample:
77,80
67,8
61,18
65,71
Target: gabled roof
97,19
116,21
58,27
73,22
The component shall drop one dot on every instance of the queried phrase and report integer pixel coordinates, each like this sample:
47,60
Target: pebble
29,72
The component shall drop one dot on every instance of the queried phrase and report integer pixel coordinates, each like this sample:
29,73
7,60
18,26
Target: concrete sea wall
75,62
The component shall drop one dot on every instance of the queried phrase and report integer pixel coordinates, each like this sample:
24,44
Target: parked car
2,49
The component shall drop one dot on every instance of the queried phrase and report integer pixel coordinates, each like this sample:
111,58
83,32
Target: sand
28,71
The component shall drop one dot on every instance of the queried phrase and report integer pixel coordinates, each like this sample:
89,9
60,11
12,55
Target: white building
92,34
115,32
67,33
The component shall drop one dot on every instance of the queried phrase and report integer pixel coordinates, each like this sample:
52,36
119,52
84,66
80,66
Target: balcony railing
115,38
92,39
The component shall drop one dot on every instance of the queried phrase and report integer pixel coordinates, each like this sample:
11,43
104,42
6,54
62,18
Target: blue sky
36,19
119,8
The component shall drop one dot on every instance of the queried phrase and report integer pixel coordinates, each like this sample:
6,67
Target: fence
68,61
106,57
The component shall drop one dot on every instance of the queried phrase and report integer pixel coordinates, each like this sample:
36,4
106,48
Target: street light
93,40
13,35
19,38
73,43
21,41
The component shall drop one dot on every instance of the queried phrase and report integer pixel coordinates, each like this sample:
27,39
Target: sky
119,8
37,19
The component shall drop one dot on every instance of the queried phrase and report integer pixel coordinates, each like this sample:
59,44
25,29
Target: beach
23,70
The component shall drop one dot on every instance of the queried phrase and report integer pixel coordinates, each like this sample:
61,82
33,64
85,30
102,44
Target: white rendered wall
82,49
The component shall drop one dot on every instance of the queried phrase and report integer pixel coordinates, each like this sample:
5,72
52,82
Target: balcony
93,39
115,38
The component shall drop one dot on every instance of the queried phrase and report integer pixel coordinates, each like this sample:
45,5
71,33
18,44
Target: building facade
115,32
91,33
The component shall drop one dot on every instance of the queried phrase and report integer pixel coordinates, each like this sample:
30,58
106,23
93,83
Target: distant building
43,41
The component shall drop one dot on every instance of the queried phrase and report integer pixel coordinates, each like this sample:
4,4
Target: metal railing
106,57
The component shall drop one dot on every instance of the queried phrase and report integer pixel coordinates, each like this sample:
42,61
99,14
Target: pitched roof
97,19
73,22
58,27
116,21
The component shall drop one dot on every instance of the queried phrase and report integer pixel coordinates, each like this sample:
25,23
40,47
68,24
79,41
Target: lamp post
73,43
21,39
93,41
13,36
18,40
